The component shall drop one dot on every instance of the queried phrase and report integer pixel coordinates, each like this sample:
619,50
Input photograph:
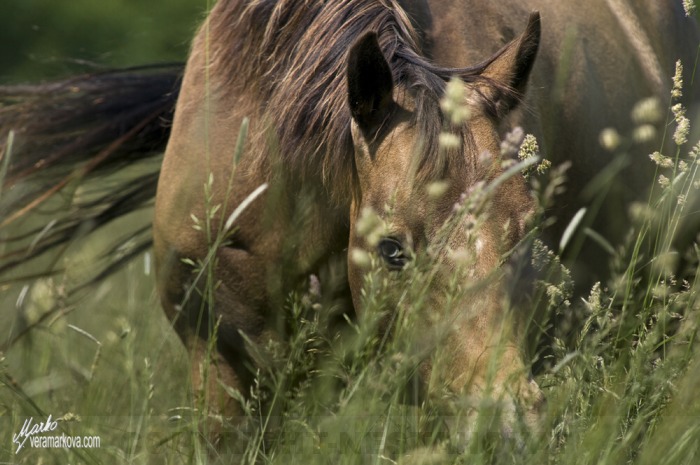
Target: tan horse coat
596,60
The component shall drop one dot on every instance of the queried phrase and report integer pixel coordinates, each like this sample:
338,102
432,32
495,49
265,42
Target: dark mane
293,53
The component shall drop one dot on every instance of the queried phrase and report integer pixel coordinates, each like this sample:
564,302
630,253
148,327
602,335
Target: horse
586,82
349,98
297,120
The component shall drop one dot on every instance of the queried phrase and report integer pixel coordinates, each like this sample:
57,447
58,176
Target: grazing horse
597,61
353,107
340,106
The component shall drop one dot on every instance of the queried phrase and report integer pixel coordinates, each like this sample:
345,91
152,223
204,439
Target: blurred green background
43,39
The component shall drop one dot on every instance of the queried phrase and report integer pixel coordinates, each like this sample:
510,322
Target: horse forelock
293,54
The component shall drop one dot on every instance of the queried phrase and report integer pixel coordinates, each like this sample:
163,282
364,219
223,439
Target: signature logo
29,429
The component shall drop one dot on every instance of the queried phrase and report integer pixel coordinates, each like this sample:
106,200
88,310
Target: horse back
597,59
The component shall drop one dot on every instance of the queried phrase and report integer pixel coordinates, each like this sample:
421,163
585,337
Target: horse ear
370,84
510,67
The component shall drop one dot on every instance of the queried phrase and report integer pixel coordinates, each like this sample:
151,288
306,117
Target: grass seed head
610,139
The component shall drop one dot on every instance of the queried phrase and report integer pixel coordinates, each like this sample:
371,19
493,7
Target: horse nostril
392,253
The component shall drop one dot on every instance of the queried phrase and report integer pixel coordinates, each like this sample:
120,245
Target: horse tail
83,131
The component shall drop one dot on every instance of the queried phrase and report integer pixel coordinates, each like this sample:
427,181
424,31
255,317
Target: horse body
596,61
256,270
343,103
281,64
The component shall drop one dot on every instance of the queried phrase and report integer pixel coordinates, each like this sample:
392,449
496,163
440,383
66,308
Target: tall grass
620,373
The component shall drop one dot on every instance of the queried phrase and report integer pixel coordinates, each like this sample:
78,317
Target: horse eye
391,251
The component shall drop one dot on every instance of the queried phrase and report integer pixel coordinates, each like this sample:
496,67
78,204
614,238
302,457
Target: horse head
434,186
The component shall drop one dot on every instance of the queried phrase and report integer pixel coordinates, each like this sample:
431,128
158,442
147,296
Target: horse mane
293,53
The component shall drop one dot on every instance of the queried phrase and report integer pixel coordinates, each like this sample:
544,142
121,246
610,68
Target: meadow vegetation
618,366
